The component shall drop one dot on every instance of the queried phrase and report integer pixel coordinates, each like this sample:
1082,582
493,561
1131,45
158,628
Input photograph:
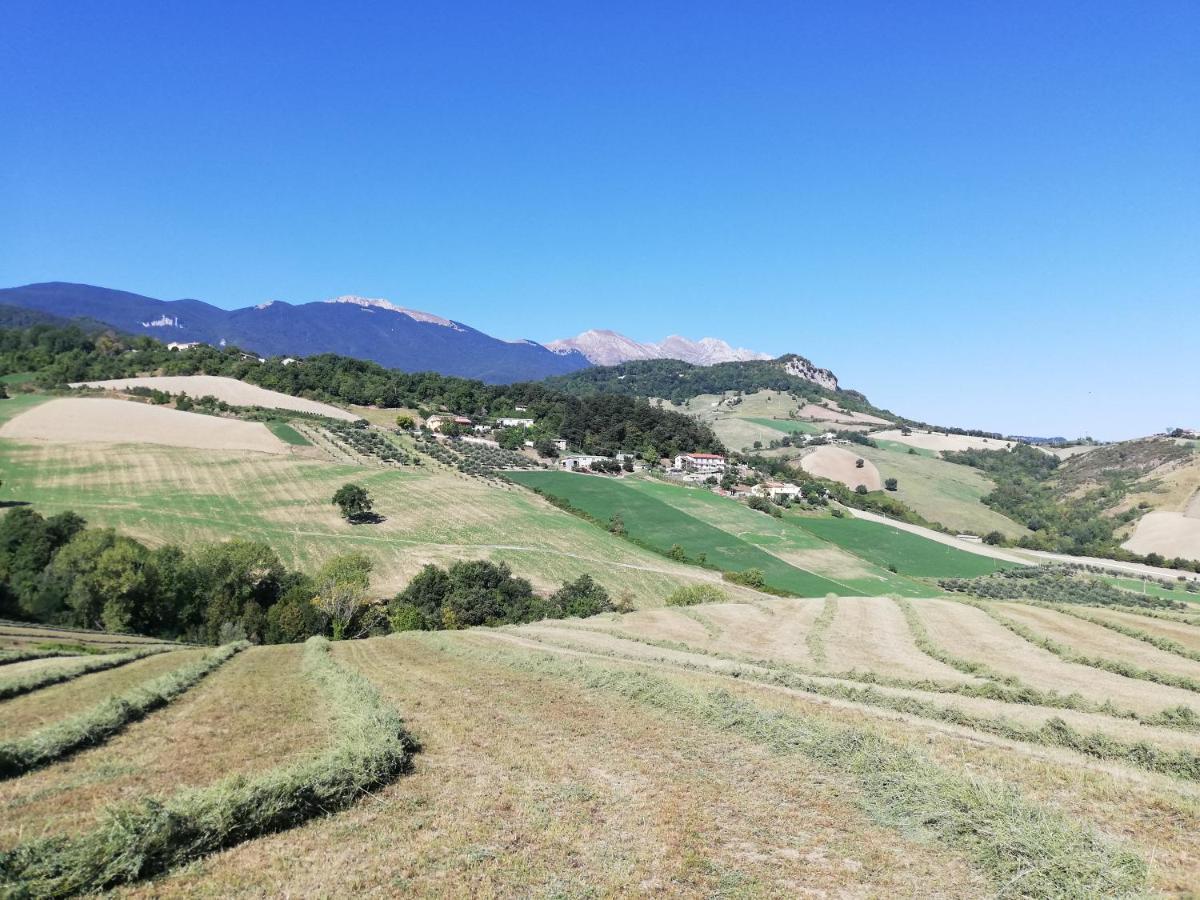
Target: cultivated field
834,413
1167,533
841,465
77,420
938,442
230,390
852,746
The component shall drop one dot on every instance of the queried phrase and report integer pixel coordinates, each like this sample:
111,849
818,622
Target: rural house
704,463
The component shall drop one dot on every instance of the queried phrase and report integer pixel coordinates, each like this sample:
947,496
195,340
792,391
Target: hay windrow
15,687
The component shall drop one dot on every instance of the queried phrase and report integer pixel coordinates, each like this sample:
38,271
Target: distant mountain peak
605,347
379,303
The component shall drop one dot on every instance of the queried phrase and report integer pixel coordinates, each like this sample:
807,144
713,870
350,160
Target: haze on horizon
986,216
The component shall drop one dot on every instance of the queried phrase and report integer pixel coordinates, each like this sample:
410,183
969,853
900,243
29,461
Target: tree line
56,570
61,355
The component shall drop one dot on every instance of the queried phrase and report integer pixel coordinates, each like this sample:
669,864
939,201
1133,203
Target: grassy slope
164,494
942,491
288,434
910,553
1149,587
732,536
787,426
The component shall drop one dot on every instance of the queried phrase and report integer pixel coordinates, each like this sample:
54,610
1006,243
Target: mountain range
368,328
609,348
391,335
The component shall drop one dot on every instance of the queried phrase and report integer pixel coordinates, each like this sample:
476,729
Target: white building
180,345
583,461
514,423
560,444
706,463
483,442
777,490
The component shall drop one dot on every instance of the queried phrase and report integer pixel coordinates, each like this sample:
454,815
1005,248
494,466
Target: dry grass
838,464
72,420
1180,632
41,708
870,634
971,634
513,796
1097,641
232,391
253,713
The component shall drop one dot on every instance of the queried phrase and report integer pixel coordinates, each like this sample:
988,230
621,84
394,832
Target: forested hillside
62,355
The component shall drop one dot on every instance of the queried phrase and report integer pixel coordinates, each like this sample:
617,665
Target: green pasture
1137,586
787,426
898,447
910,553
288,434
732,537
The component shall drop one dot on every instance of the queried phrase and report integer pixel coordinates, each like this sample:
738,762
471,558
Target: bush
891,484
692,594
582,597
861,489
754,578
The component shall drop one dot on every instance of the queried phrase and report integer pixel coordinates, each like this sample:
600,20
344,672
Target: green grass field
787,426
1149,587
897,447
910,553
18,378
288,434
732,536
942,491
163,494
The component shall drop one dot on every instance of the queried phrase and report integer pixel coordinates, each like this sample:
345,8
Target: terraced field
853,746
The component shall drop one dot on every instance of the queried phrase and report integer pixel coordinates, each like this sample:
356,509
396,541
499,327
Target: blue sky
979,214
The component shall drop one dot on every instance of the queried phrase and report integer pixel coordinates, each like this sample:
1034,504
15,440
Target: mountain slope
609,348
377,330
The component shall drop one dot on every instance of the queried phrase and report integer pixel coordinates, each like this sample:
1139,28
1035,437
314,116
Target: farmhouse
182,345
508,422
436,423
777,490
582,461
705,463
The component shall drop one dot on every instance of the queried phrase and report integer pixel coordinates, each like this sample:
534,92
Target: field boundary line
815,639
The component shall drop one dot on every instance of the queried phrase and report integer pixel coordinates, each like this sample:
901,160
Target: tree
995,538
405,423
582,597
354,501
859,463
341,586
861,489
891,484
677,552
233,574
616,523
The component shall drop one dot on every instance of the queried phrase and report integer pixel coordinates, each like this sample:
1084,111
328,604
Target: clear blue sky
984,214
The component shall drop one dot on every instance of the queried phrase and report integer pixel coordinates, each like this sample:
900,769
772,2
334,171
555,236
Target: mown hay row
18,656
369,749
102,721
14,687
1026,849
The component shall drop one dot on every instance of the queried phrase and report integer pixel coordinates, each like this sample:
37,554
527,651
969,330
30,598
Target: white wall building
575,463
514,423
707,463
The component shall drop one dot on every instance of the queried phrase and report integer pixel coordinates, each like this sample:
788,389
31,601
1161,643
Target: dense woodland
60,355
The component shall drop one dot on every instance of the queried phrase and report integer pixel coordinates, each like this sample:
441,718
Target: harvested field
253,713
666,809
1180,632
29,666
1170,534
870,634
74,420
1098,641
971,634
230,390
841,465
939,442
836,414
52,704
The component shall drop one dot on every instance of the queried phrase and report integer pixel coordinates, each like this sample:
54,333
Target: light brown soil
937,441
72,420
230,390
821,414
1168,533
839,464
